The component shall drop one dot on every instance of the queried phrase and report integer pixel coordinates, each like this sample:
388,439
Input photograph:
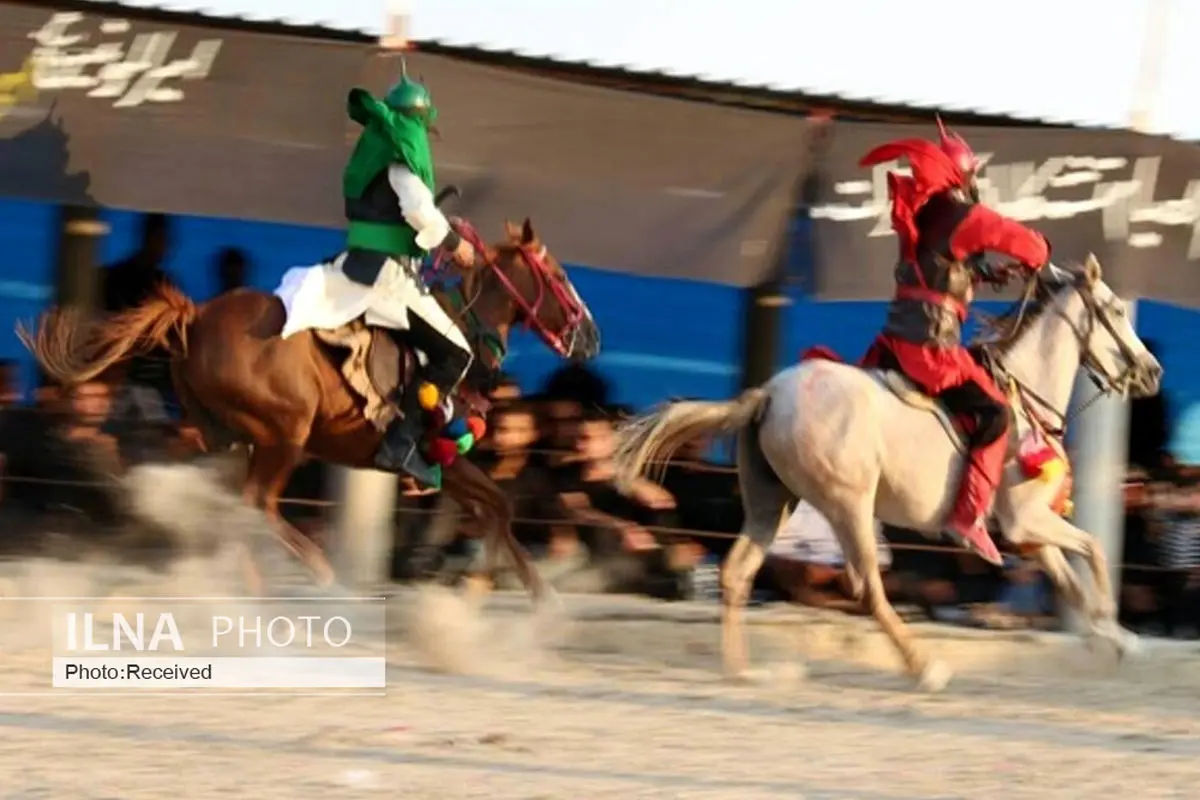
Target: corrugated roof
351,16
771,96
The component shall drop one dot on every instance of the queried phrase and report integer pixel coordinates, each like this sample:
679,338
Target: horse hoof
740,676
1129,645
935,677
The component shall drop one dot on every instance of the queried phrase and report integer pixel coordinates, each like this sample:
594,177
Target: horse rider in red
944,232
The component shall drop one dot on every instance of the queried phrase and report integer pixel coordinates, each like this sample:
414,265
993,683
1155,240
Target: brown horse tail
73,348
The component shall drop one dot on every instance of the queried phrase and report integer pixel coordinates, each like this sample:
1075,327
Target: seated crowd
552,454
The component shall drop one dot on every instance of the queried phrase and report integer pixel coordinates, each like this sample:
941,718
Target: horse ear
512,231
1091,268
527,234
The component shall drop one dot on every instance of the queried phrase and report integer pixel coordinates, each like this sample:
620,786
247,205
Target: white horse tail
654,437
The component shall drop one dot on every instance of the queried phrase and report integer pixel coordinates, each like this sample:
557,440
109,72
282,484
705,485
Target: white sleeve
417,206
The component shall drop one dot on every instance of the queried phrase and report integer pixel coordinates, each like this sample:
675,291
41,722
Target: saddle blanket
321,297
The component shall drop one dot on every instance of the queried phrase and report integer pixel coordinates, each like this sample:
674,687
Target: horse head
1110,349
534,289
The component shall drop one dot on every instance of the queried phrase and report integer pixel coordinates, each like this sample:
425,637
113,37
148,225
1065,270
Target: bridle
1106,382
560,339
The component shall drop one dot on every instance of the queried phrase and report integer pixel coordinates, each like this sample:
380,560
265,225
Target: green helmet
411,98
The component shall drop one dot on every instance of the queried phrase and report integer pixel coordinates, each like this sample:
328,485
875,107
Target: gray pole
1098,444
361,552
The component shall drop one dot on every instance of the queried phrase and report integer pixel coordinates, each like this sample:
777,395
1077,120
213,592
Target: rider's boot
401,446
448,360
967,524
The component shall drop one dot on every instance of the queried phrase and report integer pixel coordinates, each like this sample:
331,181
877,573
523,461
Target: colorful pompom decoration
477,427
428,396
442,451
465,443
456,428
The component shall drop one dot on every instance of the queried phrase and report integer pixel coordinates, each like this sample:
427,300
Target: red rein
573,313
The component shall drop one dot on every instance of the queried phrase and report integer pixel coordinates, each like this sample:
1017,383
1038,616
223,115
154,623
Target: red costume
943,233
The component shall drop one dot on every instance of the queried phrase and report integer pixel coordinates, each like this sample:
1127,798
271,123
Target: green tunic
388,137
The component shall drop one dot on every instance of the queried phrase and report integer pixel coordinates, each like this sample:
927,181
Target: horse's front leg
1036,524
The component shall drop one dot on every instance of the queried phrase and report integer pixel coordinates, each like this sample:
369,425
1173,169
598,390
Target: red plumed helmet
957,149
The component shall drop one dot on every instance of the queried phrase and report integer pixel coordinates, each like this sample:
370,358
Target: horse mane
1000,333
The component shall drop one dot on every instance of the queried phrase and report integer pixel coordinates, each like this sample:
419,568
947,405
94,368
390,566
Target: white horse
860,445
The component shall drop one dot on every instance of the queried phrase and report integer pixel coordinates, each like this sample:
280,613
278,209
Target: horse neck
1046,357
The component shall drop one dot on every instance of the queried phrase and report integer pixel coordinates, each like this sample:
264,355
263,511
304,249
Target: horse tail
656,436
74,349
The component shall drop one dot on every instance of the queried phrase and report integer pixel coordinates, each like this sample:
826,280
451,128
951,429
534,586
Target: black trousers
447,361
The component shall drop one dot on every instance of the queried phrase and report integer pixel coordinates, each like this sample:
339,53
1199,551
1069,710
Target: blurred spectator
127,284
10,383
232,269
1026,599
612,525
55,453
559,423
1175,526
1140,588
809,565
506,389
527,484
707,496
1149,426
578,383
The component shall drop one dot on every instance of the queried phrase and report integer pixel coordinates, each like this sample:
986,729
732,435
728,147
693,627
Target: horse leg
765,499
855,525
251,496
1056,567
479,496
1040,525
271,468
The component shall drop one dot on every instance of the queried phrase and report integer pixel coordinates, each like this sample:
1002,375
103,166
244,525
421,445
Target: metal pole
362,550
361,553
1149,81
766,302
77,282
1099,440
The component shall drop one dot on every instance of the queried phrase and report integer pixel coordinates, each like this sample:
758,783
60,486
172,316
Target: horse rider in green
394,222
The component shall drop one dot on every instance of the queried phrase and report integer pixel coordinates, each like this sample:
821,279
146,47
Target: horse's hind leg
765,499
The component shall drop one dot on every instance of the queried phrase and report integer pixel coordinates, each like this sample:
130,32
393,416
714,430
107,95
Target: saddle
375,366
957,427
378,368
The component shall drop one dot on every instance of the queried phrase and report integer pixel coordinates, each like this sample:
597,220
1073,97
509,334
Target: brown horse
239,382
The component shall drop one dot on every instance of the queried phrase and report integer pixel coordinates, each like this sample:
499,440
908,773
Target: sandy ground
613,698
617,698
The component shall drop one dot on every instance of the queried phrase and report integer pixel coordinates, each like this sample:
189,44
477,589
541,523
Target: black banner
1133,200
615,179
180,118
